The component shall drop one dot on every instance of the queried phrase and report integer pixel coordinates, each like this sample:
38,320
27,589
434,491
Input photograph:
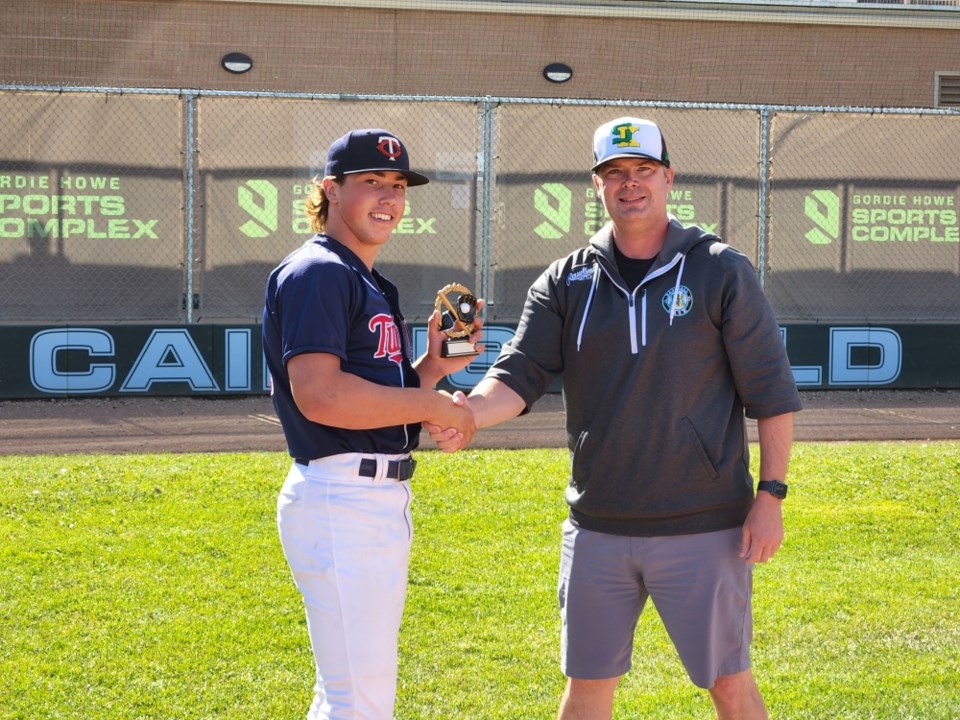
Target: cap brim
416,178
413,178
617,156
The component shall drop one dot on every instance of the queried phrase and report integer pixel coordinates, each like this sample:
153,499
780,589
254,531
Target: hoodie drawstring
643,319
586,310
631,306
676,289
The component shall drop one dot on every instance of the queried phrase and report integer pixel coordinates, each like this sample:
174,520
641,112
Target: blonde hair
317,205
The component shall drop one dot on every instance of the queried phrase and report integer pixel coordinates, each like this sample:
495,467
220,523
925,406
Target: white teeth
381,216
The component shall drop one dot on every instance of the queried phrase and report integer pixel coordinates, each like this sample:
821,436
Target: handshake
456,428
453,420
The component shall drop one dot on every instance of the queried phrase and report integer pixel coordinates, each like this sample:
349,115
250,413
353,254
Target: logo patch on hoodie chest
680,300
579,275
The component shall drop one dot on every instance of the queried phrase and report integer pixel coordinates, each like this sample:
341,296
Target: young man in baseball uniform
664,339
351,399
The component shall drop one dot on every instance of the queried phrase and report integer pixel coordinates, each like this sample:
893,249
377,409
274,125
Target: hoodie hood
680,240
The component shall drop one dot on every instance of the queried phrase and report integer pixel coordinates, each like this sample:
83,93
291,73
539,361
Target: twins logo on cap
370,150
390,147
629,137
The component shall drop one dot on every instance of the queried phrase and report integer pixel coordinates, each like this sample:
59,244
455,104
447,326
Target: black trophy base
452,347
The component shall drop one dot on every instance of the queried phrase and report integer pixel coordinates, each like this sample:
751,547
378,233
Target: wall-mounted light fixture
236,62
558,72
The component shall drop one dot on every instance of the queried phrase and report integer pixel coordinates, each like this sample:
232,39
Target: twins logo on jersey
388,334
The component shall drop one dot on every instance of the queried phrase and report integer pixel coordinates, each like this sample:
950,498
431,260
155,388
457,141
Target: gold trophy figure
457,318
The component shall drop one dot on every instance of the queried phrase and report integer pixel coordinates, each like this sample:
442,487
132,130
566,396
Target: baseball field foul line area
153,586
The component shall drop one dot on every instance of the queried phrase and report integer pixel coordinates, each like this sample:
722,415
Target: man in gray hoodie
664,342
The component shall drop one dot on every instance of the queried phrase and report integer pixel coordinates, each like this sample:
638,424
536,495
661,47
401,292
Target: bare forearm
493,402
429,375
776,437
357,404
327,395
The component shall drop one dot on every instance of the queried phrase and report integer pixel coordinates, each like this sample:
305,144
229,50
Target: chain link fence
133,205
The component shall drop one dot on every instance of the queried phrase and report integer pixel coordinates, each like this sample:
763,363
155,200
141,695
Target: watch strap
774,487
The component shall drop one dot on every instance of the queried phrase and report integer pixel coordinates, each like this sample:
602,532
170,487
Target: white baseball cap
628,137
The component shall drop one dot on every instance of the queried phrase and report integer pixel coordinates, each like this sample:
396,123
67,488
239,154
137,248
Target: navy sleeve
316,302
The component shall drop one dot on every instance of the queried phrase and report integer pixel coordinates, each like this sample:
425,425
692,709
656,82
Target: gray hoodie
656,381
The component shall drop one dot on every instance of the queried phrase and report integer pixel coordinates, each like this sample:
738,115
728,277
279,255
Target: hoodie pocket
579,463
707,469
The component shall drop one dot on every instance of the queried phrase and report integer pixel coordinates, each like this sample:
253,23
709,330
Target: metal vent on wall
948,90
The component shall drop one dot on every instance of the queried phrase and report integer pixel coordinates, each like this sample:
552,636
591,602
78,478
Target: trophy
458,310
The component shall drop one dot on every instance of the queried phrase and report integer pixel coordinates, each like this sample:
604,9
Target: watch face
775,488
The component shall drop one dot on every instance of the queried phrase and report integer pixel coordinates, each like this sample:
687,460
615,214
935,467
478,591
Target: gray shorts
700,587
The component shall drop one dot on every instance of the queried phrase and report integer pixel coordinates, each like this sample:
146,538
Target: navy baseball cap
370,150
629,137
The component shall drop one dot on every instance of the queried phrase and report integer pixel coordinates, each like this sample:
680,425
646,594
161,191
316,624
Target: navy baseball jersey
322,298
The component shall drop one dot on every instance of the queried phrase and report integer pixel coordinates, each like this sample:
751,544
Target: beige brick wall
686,56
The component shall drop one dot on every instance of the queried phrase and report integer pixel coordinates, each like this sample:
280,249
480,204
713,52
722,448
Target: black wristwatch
774,487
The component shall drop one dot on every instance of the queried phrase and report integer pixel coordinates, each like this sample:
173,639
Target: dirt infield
134,425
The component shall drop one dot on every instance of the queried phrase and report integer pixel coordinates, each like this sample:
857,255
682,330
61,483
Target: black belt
396,469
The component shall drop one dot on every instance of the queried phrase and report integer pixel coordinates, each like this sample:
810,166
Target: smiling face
365,209
635,193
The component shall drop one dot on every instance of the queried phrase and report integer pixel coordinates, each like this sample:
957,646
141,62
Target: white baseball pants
347,540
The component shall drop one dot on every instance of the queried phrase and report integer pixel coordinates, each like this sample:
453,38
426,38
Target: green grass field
154,587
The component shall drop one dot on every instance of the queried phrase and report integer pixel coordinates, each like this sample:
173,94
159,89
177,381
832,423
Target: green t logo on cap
623,135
